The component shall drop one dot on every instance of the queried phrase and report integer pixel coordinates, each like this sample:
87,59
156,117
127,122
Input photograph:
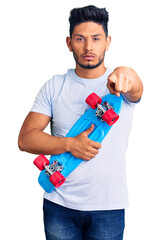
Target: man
91,203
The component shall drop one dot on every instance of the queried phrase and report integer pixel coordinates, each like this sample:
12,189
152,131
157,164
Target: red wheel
110,117
40,161
57,179
92,100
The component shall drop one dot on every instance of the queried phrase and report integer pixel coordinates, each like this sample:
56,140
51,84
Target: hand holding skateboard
83,147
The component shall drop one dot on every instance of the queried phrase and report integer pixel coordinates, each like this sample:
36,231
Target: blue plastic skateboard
103,114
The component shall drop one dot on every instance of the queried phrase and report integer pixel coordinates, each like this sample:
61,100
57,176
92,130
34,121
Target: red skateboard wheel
92,100
40,161
110,117
57,179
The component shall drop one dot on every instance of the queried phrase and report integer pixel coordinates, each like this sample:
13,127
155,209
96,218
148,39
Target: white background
32,50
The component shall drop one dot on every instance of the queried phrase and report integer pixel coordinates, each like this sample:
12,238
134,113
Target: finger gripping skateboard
103,113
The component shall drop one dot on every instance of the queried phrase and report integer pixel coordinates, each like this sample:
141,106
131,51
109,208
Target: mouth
88,57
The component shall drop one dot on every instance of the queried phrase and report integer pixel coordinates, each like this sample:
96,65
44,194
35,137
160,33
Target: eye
80,39
96,39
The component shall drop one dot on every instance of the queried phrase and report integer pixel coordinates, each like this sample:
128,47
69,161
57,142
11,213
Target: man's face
88,44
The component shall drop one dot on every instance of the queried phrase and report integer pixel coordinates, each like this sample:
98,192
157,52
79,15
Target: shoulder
54,85
55,80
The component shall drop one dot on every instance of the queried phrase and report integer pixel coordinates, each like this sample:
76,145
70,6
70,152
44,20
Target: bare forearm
136,90
38,142
33,139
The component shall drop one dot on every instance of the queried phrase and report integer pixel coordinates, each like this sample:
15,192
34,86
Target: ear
68,41
108,41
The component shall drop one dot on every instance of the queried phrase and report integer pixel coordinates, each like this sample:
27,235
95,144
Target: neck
90,73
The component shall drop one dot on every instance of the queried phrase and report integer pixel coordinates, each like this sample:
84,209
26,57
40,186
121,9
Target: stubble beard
89,66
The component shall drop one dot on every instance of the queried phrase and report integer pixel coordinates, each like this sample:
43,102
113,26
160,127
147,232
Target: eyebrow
80,35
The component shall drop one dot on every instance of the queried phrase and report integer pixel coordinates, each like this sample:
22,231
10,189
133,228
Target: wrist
68,143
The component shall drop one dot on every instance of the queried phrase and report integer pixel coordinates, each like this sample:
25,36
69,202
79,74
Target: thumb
89,130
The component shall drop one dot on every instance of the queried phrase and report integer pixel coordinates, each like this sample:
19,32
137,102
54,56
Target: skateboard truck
105,111
101,109
54,167
51,170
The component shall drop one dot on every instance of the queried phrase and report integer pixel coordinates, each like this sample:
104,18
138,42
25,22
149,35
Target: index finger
112,78
96,145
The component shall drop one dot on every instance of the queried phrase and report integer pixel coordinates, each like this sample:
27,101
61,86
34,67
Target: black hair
89,13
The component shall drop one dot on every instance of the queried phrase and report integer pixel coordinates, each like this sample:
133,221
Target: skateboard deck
103,114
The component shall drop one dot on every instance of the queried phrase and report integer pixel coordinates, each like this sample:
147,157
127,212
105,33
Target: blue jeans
67,224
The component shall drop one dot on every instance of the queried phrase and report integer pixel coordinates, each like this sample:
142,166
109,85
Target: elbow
21,148
20,144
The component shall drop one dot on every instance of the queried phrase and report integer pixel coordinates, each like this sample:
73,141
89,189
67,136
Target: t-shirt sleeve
132,104
43,100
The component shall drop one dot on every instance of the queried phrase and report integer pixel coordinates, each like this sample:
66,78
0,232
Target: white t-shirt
98,184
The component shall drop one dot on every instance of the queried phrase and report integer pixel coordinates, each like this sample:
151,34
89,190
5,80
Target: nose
88,45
